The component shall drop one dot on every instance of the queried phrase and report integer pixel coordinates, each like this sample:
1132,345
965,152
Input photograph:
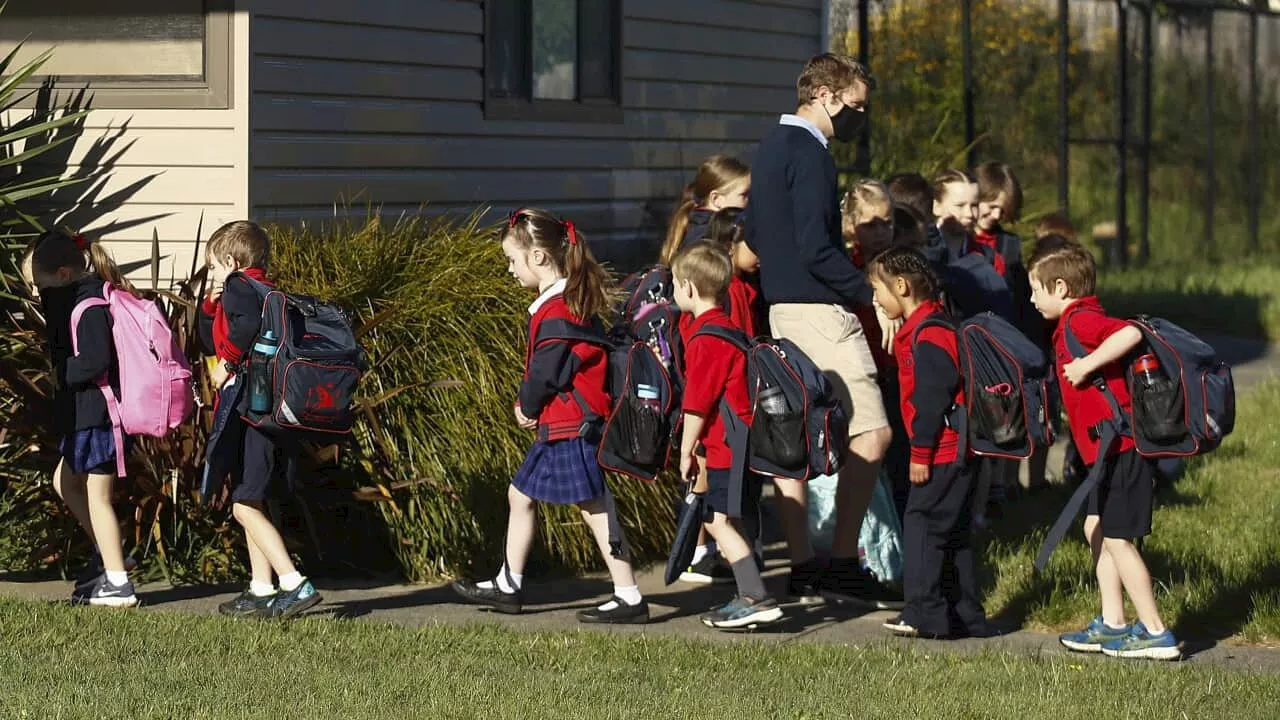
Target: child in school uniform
1063,282
57,269
721,182
230,320
939,575
716,373
563,398
726,230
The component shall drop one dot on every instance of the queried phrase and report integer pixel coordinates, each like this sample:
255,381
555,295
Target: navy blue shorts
267,469
562,472
717,497
1124,496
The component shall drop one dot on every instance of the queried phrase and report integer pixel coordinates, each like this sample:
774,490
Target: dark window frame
214,92
523,106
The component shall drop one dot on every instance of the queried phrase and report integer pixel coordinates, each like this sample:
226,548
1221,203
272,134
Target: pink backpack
155,379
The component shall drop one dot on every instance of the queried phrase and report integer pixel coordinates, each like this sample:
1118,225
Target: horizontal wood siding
382,102
172,173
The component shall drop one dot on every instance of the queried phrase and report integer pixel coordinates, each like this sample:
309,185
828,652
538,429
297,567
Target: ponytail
106,268
679,223
586,289
61,249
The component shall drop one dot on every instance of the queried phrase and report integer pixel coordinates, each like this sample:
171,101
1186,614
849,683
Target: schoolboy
1063,280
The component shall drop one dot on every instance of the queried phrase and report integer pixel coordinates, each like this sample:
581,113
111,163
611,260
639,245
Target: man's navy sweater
793,223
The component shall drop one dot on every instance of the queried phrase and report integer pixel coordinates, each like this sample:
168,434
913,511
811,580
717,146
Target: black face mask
847,124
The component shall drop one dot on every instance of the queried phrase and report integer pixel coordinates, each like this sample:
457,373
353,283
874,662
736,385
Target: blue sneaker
1093,636
292,602
1140,643
743,612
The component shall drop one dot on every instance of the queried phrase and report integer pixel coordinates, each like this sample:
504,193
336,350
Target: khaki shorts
834,340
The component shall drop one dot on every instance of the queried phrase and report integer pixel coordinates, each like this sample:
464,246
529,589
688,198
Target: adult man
809,282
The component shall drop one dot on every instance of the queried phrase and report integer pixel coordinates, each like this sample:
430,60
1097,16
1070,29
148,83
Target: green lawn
1214,552
63,662
1239,300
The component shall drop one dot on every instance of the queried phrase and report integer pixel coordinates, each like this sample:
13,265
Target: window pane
599,53
555,49
507,47
132,39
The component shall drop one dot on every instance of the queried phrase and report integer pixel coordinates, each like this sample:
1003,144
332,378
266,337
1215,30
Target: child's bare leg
1109,588
737,552
793,515
102,518
71,488
595,515
1132,571
267,539
703,535
259,565
521,525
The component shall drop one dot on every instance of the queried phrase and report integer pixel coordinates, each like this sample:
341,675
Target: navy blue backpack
1184,406
798,429
1009,408
970,283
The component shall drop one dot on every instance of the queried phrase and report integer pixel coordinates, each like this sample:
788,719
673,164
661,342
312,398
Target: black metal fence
1143,34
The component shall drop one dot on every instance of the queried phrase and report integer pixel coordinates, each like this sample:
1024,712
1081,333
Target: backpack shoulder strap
560,329
929,322
733,336
957,419
1076,348
78,312
103,383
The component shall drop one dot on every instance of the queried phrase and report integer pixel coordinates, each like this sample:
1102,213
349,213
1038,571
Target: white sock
117,578
507,581
291,581
700,552
261,589
629,595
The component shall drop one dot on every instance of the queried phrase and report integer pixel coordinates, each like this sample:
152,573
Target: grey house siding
383,101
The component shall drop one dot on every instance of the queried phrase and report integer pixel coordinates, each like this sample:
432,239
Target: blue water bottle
260,372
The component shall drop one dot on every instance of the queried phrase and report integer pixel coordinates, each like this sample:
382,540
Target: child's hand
888,328
688,467
218,374
919,474
1077,371
524,422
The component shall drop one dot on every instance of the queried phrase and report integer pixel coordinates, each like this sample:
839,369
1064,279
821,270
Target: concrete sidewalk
675,609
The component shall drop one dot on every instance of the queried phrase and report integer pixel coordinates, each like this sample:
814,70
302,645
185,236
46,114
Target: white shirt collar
797,121
556,288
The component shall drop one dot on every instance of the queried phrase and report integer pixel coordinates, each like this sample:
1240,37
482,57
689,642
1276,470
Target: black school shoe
622,614
503,602
803,583
847,581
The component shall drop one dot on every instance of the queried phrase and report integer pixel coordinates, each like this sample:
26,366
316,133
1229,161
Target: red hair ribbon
571,232
81,241
515,217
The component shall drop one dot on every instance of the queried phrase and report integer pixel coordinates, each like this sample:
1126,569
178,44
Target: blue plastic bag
879,543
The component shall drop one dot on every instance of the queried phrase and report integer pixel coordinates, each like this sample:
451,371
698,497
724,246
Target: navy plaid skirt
564,472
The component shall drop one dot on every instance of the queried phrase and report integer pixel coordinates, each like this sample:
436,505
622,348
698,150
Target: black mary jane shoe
503,602
622,614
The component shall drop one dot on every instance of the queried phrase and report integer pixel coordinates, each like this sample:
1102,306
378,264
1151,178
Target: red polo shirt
1087,406
714,369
